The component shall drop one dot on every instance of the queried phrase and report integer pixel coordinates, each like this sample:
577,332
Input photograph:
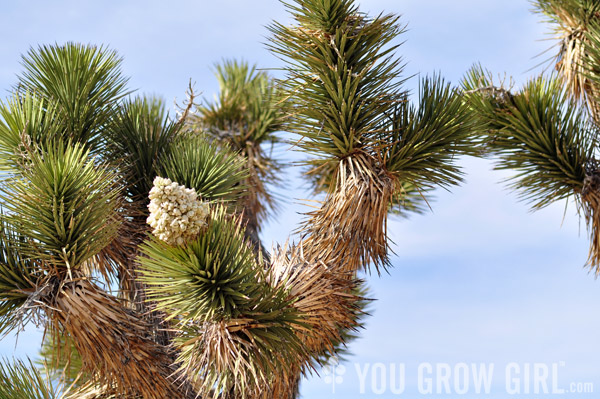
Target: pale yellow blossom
176,212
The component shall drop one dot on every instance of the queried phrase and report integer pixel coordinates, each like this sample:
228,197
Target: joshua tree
103,191
548,130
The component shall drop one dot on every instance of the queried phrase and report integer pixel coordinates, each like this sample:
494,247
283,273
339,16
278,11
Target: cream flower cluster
176,212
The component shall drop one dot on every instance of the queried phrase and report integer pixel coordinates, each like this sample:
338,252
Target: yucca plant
547,131
105,193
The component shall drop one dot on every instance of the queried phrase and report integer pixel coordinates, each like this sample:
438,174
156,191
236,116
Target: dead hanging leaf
349,232
323,296
114,343
572,59
590,204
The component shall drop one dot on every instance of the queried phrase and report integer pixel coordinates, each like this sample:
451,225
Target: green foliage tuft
84,83
245,110
212,277
138,139
216,173
27,122
235,331
64,205
421,144
540,132
342,78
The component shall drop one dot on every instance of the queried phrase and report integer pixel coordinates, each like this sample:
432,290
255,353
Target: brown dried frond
284,386
327,305
120,258
34,308
117,256
571,59
93,390
323,296
184,110
225,360
124,251
590,205
349,231
115,345
571,55
500,94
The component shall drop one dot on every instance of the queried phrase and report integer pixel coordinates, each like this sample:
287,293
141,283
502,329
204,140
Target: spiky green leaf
21,380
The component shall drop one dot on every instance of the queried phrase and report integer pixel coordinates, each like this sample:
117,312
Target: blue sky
480,279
